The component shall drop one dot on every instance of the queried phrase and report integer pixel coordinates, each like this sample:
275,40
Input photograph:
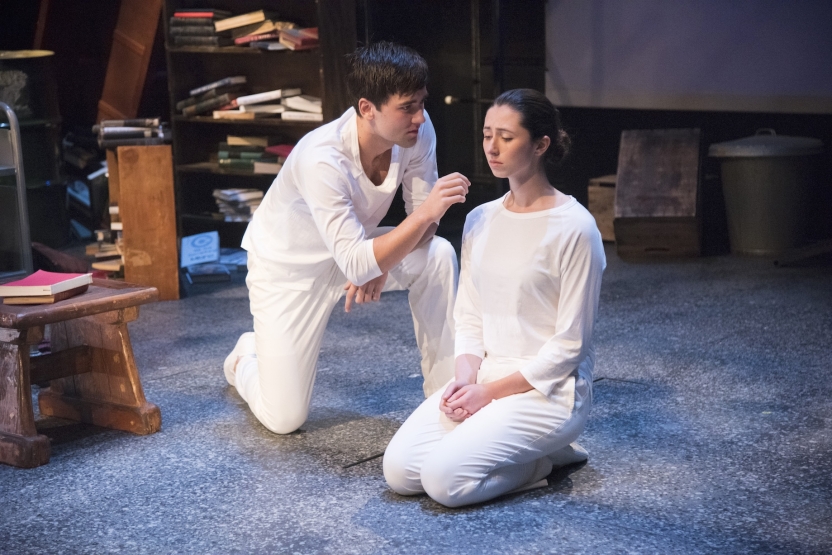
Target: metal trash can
768,183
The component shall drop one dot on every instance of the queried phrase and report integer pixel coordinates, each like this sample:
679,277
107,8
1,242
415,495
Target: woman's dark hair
540,118
380,70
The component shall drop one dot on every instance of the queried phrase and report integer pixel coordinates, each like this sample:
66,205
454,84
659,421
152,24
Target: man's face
398,120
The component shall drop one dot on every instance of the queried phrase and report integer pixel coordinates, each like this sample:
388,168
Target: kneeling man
316,236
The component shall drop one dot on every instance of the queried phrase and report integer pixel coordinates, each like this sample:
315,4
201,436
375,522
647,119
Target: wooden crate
657,201
601,204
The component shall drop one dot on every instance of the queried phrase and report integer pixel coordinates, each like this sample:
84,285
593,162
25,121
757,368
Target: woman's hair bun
540,118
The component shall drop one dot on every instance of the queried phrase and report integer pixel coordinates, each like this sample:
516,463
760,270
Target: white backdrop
739,55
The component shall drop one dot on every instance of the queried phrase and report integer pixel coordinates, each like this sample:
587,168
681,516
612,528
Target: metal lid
766,143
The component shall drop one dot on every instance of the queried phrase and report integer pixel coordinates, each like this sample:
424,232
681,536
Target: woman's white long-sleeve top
528,291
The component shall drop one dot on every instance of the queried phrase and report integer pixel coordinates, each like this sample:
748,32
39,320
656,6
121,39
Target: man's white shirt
323,207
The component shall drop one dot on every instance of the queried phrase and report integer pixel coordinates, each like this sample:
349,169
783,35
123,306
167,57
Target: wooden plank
148,213
658,174
16,415
112,179
336,27
643,238
75,360
129,58
102,296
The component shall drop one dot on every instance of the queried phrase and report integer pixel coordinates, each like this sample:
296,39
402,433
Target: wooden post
20,444
146,205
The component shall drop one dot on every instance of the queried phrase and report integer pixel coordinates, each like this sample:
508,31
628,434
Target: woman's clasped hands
461,399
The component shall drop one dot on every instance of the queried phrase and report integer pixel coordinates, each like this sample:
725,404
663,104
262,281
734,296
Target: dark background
510,38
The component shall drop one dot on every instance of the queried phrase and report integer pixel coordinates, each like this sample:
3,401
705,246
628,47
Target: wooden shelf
245,50
318,72
212,167
261,122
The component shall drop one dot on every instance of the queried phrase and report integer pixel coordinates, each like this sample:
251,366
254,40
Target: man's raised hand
448,190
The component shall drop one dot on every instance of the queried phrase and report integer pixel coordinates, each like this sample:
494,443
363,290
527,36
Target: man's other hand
369,292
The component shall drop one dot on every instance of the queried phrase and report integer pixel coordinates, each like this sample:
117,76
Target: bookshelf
318,72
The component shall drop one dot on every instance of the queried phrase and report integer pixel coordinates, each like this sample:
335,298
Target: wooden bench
90,373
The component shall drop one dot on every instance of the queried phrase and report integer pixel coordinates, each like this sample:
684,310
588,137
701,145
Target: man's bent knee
283,423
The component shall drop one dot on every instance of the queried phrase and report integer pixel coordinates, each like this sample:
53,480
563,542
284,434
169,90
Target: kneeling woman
527,303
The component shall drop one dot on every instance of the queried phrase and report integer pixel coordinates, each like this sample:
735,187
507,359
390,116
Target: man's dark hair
380,70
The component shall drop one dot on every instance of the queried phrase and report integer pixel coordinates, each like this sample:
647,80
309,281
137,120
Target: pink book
44,283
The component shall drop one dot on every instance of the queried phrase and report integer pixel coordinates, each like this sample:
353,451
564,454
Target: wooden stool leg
108,393
20,444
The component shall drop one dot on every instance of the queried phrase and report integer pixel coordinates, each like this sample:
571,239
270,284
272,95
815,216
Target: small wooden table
91,373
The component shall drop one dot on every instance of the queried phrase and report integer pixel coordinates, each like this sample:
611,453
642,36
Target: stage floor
711,432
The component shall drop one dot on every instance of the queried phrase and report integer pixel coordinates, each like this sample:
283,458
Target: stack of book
302,108
255,106
131,132
252,154
299,39
212,96
44,288
195,27
263,34
237,205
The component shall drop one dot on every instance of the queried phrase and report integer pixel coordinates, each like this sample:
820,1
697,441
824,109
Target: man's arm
391,248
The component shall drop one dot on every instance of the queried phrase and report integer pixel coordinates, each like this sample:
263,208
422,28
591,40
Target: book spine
236,163
301,116
134,122
208,105
293,46
251,38
267,45
239,20
128,133
147,141
240,148
176,21
247,155
237,80
201,14
213,93
200,41
192,30
264,96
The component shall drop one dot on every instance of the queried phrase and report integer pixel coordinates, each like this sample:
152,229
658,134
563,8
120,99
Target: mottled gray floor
711,433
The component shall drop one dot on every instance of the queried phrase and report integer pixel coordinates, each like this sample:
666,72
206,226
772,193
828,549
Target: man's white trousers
290,319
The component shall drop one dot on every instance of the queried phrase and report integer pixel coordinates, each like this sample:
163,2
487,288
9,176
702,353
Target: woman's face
507,144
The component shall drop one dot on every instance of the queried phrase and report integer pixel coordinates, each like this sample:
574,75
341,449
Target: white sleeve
581,265
420,174
468,310
325,189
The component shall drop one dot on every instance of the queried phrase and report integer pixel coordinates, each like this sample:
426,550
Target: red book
297,37
200,12
44,283
280,150
311,32
251,38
